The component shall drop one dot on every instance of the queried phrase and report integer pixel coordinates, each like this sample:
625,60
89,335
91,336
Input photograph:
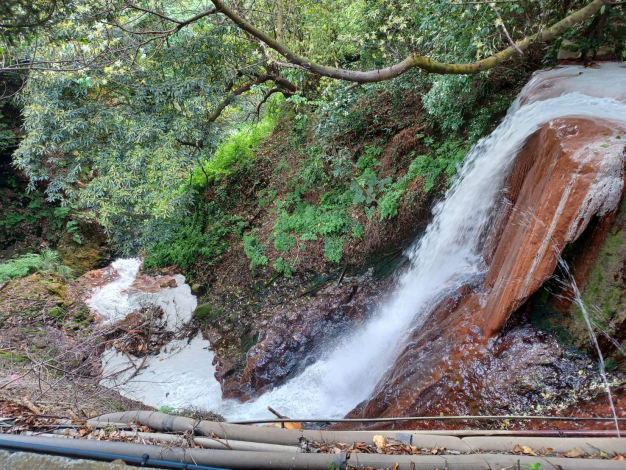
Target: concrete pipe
167,423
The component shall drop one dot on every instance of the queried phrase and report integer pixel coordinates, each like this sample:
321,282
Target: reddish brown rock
558,184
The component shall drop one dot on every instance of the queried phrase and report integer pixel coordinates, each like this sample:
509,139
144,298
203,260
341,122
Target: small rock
207,313
168,284
198,289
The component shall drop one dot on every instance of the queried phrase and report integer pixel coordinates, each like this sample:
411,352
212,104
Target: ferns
201,237
51,263
254,251
19,267
46,262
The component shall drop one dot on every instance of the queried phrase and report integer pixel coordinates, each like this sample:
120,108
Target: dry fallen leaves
293,425
379,441
524,449
575,452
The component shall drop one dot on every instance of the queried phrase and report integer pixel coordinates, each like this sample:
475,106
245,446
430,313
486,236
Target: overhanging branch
414,60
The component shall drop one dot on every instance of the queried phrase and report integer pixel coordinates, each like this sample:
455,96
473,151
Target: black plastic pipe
144,461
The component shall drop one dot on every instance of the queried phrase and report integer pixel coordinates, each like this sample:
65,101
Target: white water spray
447,253
571,282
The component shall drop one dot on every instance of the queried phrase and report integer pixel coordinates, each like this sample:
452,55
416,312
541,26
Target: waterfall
446,255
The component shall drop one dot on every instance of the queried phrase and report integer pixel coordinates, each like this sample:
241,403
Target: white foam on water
181,375
115,300
448,252
110,302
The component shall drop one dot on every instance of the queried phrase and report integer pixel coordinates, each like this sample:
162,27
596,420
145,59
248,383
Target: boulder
207,313
569,51
90,253
566,174
56,288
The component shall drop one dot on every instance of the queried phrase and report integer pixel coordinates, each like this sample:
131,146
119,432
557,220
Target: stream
446,256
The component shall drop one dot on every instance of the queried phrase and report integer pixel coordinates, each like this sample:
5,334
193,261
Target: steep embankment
568,173
326,205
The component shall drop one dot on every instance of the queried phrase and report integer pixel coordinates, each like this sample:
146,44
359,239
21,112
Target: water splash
571,283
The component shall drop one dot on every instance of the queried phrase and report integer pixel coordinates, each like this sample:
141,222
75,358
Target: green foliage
307,222
237,149
283,267
30,209
449,99
443,161
610,364
254,251
19,267
46,262
185,241
369,158
333,248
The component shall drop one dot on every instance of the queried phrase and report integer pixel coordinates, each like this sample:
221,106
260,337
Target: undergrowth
237,149
201,236
46,262
329,183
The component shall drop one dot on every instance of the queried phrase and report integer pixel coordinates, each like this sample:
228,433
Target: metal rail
425,418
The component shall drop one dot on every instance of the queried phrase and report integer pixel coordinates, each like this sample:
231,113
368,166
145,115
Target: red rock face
151,284
92,280
553,194
563,177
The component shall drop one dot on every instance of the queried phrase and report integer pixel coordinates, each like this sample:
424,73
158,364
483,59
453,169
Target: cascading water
571,282
447,254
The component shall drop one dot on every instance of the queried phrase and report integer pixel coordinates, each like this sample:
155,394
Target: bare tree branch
179,24
267,96
506,32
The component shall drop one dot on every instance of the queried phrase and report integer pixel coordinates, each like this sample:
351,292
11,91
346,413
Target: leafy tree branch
414,60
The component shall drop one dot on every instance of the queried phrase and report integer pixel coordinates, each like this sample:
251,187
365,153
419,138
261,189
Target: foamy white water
115,300
447,253
109,302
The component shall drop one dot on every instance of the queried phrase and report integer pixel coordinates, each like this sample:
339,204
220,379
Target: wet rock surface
290,336
525,371
568,172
